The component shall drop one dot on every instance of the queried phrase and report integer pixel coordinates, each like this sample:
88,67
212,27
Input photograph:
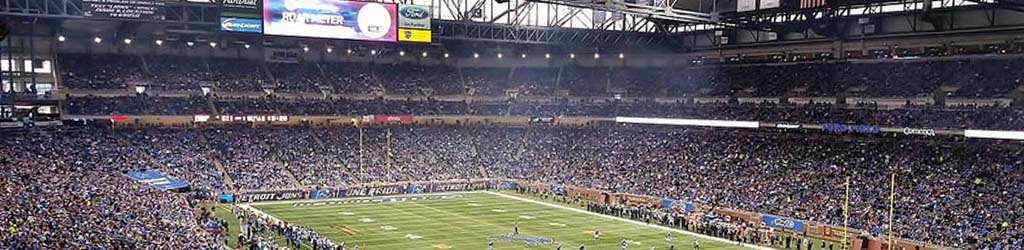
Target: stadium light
159,42
213,44
597,56
572,55
445,55
401,53
499,55
97,39
475,55
424,54
127,41
247,45
190,43
373,52
305,48
523,56
61,38
621,55
348,51
547,56
329,49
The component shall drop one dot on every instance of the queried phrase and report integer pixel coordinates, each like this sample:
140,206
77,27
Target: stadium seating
951,192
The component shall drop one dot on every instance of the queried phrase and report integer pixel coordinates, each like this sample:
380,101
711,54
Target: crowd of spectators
952,117
66,190
137,105
959,193
984,77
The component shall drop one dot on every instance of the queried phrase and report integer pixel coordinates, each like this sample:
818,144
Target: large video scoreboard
329,19
368,21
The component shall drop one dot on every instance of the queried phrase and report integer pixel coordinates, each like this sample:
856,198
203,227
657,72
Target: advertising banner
676,205
414,17
280,55
243,25
125,9
241,118
226,198
844,128
411,35
322,193
919,131
271,195
542,119
392,118
157,180
242,8
369,21
783,223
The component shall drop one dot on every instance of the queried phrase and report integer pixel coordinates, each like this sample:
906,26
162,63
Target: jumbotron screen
333,19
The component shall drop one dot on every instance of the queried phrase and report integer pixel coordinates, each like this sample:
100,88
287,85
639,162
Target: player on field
490,245
668,238
696,244
597,234
515,229
623,244
582,247
559,247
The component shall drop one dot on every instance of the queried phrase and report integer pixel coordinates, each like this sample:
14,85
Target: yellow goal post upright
846,216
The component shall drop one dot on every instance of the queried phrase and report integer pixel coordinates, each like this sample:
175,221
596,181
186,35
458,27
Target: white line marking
625,220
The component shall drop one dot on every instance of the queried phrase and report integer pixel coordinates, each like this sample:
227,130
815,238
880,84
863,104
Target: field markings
625,220
516,198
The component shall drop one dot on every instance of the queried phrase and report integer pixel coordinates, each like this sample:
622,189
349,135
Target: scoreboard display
367,21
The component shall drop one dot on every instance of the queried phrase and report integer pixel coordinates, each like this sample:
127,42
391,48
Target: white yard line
626,220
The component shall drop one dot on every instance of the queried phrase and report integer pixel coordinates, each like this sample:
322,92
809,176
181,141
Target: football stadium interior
512,124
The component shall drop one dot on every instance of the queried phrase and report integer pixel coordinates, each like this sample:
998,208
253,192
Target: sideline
261,203
627,220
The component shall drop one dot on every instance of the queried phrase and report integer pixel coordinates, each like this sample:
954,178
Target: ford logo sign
415,12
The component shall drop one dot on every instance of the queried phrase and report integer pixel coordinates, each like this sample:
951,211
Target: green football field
470,221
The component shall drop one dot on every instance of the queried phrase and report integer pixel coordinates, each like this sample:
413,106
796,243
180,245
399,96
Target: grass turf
470,222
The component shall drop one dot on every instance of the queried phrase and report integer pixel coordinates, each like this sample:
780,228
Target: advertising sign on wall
124,9
410,35
243,25
414,17
242,8
783,223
